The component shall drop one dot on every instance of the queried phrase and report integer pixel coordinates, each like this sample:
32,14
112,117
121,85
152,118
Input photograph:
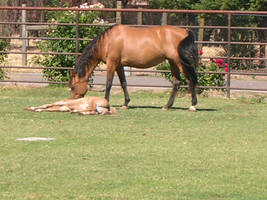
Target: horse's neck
91,66
101,48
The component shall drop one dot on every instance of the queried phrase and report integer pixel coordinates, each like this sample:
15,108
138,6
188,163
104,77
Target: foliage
209,4
3,45
204,79
85,32
174,18
172,4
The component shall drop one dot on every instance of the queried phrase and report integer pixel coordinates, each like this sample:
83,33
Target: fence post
228,83
77,35
118,21
24,35
139,17
118,14
201,32
164,19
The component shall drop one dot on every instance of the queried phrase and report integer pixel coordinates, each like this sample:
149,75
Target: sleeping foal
83,106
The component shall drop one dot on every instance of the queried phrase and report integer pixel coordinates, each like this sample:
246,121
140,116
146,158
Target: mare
144,47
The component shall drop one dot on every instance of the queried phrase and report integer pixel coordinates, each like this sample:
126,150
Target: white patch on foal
101,110
64,108
84,106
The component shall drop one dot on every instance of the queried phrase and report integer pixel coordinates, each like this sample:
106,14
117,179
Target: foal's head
78,86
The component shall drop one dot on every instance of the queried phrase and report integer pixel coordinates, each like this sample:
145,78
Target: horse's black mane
89,53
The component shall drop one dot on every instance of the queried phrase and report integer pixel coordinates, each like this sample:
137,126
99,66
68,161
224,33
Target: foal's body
122,46
84,106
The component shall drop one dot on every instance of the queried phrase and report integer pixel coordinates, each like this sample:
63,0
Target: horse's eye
72,88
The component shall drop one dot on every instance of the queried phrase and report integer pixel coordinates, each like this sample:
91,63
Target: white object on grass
35,139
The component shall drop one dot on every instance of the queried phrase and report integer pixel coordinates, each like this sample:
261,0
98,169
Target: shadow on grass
172,108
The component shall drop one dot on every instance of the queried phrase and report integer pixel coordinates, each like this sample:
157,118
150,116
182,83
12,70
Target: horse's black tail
188,53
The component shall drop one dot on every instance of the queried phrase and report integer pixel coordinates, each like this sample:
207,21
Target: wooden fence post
229,30
139,17
24,35
118,21
164,19
118,14
77,36
201,32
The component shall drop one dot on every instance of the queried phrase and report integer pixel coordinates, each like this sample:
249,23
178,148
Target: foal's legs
175,84
120,72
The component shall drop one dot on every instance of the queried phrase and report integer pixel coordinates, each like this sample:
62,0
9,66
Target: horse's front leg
111,67
120,72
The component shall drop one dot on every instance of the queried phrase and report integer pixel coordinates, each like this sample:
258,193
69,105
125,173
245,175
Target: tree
172,4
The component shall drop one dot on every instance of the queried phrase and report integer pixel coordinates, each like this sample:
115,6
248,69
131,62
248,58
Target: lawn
218,152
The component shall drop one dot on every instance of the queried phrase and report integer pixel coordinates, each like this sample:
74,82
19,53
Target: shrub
85,32
3,45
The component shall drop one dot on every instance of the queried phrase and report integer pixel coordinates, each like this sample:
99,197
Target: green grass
218,152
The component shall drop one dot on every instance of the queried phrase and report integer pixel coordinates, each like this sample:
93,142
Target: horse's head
78,86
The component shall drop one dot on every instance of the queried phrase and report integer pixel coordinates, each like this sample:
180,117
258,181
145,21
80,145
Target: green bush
3,45
59,31
204,79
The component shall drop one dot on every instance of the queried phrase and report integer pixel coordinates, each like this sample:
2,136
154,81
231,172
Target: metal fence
227,27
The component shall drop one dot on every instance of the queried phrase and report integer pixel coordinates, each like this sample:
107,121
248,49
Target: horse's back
145,46
160,33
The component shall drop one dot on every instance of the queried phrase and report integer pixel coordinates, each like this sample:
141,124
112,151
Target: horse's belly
142,59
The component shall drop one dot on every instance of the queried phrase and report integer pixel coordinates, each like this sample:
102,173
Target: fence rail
228,43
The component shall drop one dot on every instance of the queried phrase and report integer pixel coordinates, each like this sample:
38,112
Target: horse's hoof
192,109
124,107
165,108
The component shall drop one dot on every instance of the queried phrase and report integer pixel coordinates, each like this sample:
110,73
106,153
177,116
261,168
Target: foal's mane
89,53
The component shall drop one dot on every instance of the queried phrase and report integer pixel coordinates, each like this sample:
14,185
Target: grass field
218,152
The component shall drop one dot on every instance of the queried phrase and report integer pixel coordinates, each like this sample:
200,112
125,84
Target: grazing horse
84,106
122,45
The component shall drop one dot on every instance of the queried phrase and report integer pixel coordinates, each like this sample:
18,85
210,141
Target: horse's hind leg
120,72
192,88
175,84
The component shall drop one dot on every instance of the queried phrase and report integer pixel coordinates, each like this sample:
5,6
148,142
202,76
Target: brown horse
122,45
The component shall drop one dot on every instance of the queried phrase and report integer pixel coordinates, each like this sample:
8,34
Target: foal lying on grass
83,106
